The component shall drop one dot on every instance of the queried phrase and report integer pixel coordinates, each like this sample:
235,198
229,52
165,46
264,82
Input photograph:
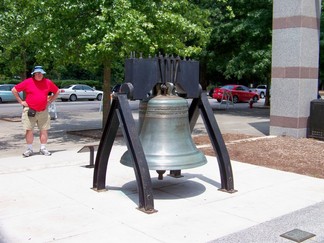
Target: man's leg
28,124
29,136
44,123
43,139
43,136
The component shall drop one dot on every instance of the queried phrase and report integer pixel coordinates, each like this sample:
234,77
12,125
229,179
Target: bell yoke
162,139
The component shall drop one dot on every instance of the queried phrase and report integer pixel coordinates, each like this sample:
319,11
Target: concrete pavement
47,199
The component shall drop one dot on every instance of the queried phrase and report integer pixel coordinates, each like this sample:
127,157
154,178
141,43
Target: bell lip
159,162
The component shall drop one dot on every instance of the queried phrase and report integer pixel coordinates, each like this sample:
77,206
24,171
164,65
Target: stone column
295,65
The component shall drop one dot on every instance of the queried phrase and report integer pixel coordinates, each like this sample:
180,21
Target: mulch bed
298,155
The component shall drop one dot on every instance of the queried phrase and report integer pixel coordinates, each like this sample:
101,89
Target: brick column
295,64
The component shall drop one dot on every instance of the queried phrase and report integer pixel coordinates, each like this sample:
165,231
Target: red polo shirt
37,92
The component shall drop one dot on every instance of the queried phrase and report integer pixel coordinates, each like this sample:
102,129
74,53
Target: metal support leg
224,162
121,112
104,149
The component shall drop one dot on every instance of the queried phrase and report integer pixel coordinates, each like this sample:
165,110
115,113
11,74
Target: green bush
10,81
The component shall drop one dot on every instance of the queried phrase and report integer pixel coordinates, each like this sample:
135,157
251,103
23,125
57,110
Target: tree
239,49
19,31
101,33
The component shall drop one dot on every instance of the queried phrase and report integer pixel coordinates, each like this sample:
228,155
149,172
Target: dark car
116,88
211,91
236,93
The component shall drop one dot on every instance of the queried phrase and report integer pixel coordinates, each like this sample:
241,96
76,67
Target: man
37,100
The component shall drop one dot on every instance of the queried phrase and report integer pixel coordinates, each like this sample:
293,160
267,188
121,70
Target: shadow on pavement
263,127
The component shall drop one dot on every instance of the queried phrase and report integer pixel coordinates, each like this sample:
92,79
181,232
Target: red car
235,93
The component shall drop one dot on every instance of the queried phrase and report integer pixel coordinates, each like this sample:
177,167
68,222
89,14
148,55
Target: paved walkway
47,199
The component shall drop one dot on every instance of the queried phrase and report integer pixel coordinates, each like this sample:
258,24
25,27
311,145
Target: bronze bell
165,135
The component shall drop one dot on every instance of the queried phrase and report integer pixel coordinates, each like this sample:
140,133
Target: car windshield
261,87
242,88
66,87
230,87
6,87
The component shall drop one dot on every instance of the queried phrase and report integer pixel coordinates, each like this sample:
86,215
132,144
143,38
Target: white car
79,91
261,90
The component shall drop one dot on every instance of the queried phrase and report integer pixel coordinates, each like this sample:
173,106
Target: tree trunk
106,91
23,73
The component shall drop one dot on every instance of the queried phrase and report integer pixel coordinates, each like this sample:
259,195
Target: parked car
78,92
5,93
261,90
211,91
116,88
235,93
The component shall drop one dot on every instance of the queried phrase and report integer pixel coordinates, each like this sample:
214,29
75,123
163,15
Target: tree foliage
19,25
231,38
101,33
240,43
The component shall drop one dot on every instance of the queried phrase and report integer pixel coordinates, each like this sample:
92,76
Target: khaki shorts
42,119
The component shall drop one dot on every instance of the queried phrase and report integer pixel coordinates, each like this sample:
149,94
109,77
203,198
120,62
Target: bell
165,135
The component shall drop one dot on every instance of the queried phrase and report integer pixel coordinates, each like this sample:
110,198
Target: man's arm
53,97
16,94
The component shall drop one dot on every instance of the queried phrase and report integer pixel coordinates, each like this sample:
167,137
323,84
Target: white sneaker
45,152
28,153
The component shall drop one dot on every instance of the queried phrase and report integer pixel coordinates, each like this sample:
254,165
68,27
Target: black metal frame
120,112
202,104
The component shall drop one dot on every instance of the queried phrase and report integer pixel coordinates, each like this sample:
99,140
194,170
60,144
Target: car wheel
73,97
0,100
261,95
255,99
99,96
235,99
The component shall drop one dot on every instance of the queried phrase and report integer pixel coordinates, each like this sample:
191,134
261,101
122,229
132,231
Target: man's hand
20,101
24,103
52,98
